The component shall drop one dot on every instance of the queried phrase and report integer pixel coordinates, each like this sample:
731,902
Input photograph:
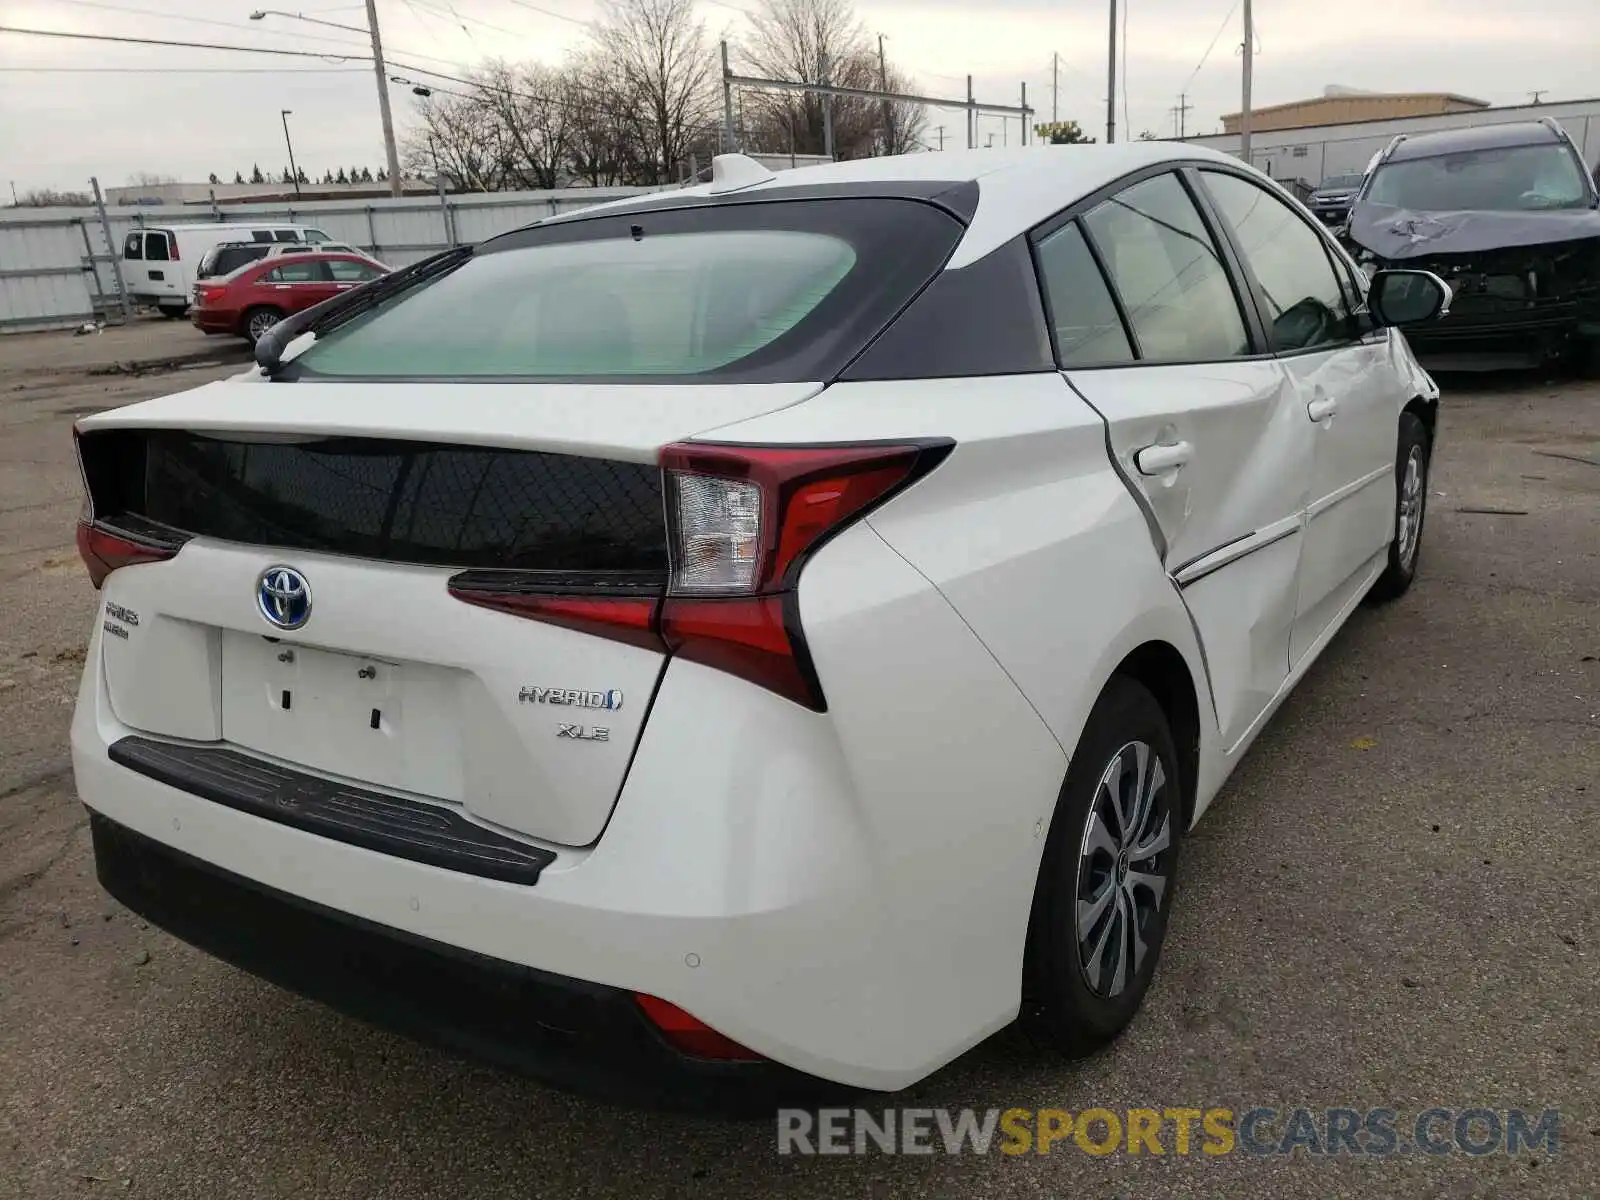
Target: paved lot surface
1394,903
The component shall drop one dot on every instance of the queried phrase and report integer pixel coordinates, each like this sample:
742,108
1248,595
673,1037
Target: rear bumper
565,1032
800,882
213,322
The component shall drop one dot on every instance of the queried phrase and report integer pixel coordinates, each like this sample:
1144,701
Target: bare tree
821,41
460,139
533,108
662,62
601,147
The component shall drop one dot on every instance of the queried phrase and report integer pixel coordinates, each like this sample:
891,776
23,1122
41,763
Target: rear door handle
1320,410
1159,459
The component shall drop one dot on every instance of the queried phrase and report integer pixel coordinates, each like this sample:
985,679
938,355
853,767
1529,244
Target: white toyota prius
751,639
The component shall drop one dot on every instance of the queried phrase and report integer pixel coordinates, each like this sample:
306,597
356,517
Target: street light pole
294,171
371,31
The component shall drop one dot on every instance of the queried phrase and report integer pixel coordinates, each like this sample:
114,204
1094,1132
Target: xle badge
597,733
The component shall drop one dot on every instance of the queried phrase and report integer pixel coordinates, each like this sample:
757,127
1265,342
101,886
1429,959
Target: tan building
1345,106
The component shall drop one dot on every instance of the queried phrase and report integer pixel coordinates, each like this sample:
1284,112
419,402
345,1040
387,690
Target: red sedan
258,295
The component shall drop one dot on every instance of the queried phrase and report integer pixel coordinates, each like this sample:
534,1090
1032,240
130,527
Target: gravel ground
1393,904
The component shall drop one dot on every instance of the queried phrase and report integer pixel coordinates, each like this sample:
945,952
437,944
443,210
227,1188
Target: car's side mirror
1408,297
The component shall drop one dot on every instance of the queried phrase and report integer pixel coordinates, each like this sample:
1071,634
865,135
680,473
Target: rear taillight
689,1034
206,295
741,523
103,551
172,247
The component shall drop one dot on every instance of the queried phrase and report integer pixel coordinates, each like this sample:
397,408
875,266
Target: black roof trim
959,198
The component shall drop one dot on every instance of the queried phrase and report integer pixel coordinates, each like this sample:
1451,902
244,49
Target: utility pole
1111,78
1537,95
1180,116
1249,56
940,128
827,111
389,150
294,171
972,129
1022,120
727,104
1055,86
883,82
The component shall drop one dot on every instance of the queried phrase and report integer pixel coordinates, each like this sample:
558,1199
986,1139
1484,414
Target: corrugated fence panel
42,251
44,300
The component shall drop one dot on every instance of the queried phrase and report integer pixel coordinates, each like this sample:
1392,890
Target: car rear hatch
406,666
340,563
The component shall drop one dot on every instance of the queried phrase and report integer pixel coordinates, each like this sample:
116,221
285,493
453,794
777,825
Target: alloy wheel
1124,868
261,322
1408,522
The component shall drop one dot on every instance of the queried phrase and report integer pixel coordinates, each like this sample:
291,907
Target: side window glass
1168,273
1306,306
261,235
301,272
346,271
134,246
316,235
1085,320
286,235
155,247
274,276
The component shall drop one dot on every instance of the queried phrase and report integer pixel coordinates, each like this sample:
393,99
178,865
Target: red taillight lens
103,551
629,619
172,247
209,295
743,520
689,1034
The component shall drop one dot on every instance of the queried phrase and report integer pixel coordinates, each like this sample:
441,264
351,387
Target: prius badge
611,700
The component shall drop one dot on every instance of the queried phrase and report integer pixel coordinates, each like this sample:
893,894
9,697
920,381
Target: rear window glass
742,292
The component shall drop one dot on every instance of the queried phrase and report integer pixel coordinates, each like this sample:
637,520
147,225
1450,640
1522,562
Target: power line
1221,29
549,13
186,70
253,29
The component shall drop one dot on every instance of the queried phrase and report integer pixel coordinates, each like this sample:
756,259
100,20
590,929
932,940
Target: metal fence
58,266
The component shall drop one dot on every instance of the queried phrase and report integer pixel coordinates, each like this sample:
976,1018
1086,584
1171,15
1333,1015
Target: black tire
1410,513
1063,1006
1586,358
262,312
174,312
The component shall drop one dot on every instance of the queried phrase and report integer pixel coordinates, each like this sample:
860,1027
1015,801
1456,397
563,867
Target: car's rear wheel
173,312
1106,880
1412,460
258,320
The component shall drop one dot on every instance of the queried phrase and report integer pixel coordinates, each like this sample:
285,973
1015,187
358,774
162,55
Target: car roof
1017,189
1476,137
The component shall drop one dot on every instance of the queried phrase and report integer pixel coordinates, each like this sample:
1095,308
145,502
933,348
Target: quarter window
1168,273
1082,313
1305,306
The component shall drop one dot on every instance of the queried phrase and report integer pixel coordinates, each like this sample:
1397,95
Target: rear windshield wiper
335,311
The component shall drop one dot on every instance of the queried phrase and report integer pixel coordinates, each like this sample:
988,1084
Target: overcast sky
187,112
